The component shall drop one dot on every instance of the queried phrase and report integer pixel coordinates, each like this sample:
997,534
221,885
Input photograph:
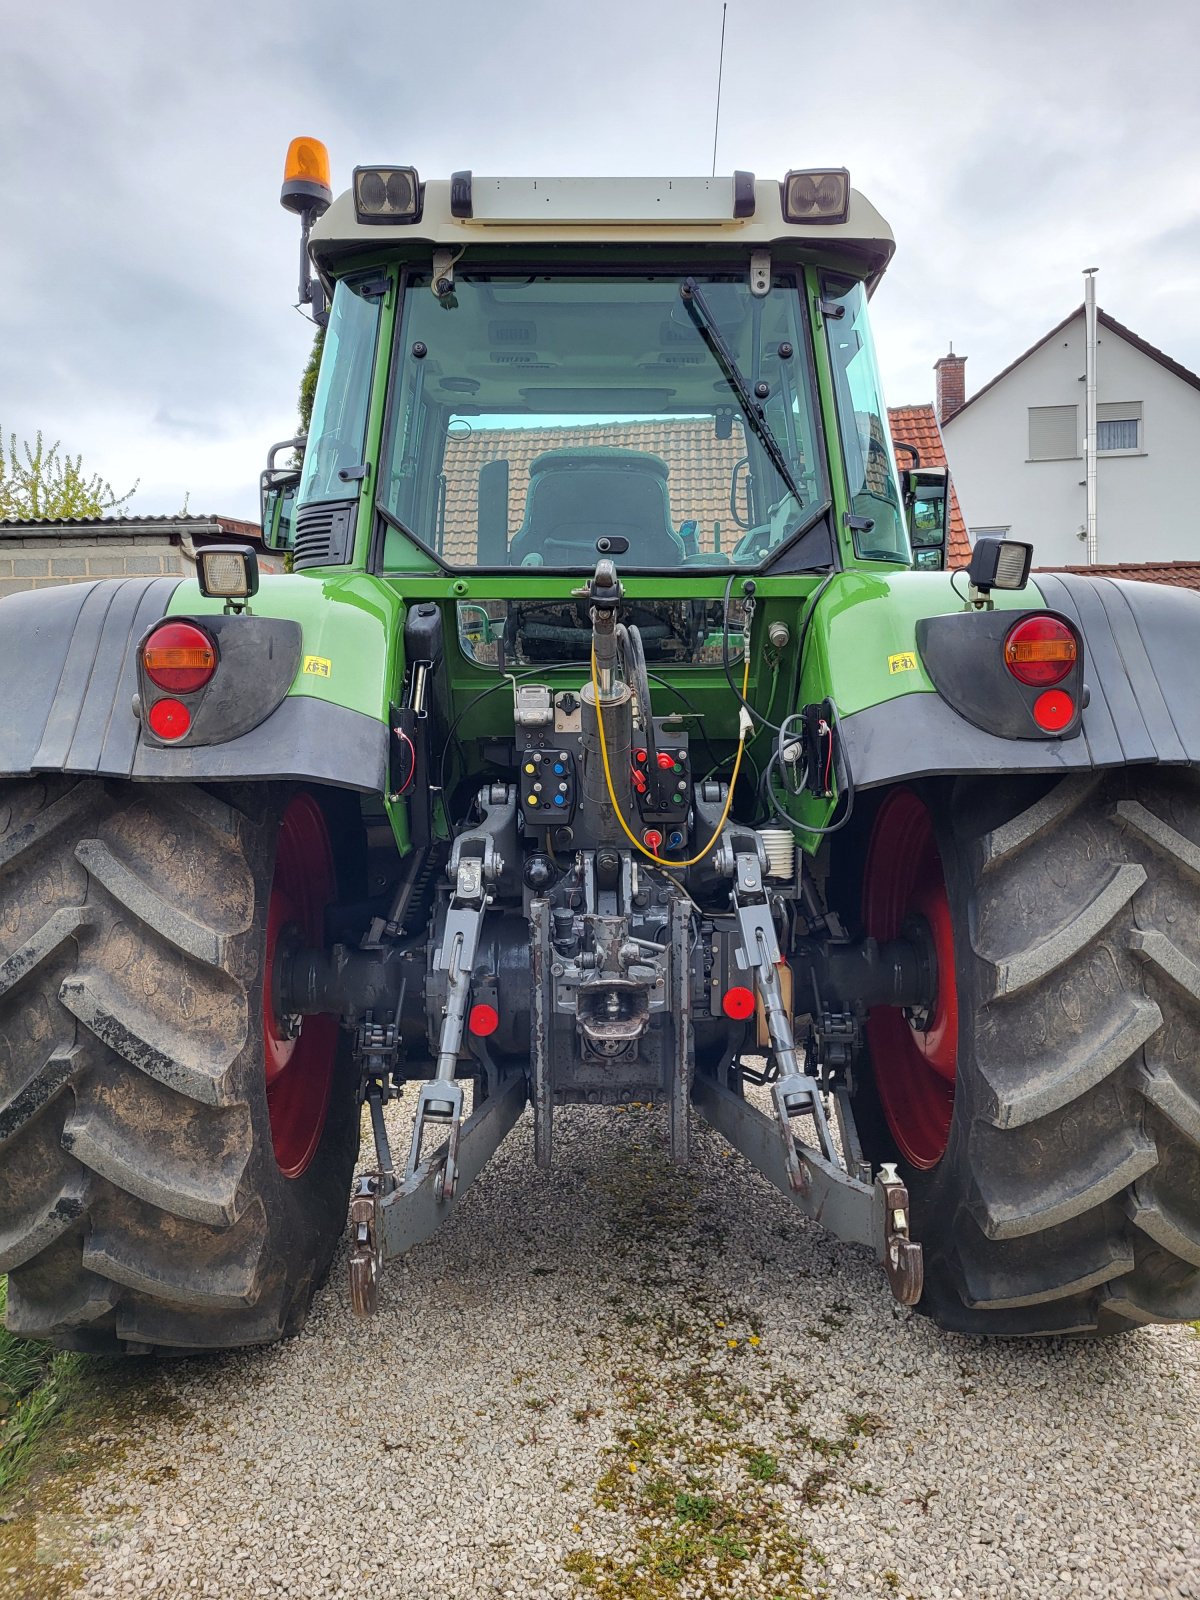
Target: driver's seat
577,497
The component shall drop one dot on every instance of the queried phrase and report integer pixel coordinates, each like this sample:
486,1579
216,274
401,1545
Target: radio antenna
720,75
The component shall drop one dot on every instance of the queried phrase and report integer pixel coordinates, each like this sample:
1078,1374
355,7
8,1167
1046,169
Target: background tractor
617,735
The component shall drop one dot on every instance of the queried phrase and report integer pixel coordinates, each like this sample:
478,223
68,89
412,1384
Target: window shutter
1119,425
1053,433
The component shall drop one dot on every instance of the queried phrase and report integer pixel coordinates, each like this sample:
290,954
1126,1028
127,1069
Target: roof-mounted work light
387,195
817,196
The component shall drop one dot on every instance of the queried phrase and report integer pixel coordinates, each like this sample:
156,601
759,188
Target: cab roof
608,211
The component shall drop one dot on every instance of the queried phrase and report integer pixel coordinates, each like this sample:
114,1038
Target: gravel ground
619,1381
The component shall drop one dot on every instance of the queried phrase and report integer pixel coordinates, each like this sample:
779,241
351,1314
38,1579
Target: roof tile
917,426
1182,574
699,465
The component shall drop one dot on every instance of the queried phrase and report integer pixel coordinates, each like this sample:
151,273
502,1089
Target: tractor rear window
546,421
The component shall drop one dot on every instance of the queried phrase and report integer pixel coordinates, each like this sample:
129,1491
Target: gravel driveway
619,1381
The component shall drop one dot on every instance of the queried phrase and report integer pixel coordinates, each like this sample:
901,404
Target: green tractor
618,735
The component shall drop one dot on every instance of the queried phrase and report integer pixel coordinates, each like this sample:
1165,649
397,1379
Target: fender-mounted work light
387,194
1000,564
816,196
306,184
227,572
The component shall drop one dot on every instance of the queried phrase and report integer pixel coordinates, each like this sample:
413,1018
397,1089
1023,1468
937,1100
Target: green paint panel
349,622
863,646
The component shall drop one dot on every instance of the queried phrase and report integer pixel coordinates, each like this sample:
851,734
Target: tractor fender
1141,668
69,664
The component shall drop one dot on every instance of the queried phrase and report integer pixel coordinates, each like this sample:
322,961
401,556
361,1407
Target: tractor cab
532,374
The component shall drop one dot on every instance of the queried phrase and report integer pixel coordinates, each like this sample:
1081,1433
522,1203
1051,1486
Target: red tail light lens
1053,710
180,657
170,719
1040,651
483,1020
738,1003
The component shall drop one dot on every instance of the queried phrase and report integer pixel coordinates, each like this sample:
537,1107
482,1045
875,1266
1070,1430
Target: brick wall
35,563
951,373
34,555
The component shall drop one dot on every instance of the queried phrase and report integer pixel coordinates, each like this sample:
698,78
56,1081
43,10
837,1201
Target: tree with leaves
308,383
40,484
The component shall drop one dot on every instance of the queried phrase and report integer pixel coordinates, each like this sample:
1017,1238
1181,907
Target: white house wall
1148,508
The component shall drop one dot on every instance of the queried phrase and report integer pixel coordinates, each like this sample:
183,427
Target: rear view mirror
277,493
927,507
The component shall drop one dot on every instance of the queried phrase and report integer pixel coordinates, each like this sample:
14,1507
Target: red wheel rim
299,1071
914,1070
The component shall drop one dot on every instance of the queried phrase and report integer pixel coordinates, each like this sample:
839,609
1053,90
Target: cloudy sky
146,317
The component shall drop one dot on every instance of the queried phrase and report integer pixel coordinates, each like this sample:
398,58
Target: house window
1119,428
991,533
1053,433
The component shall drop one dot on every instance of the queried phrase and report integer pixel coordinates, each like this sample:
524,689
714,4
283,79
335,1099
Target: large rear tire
173,1173
1053,1159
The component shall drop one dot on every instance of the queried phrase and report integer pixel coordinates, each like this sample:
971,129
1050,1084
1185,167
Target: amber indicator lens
180,657
1040,651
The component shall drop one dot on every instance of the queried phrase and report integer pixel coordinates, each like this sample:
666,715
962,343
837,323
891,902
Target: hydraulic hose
744,726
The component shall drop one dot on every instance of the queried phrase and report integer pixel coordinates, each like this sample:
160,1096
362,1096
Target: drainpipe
1089,317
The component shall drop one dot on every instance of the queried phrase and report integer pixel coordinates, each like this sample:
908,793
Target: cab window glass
337,434
878,527
545,420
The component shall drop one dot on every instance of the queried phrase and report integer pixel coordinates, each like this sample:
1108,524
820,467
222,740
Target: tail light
1053,710
1040,652
179,657
169,719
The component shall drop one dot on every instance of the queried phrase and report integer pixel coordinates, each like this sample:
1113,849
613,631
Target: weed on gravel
711,1464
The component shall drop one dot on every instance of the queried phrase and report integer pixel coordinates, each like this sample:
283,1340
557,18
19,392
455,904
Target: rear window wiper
706,327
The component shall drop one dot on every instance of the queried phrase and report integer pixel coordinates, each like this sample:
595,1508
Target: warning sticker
904,662
322,667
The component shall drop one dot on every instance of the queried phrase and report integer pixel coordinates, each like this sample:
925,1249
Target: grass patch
81,1418
762,1466
35,1384
688,1492
705,1485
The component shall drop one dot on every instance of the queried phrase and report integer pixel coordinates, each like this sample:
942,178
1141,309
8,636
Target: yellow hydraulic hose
744,725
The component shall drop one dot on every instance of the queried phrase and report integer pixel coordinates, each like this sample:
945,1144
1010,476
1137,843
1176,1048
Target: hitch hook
903,1258
365,1256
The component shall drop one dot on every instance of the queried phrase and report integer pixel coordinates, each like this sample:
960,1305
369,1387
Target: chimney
951,385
